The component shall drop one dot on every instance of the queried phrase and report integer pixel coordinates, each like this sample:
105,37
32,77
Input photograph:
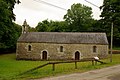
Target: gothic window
94,49
61,48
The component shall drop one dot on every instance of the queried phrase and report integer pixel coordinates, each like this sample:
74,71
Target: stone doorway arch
77,55
44,55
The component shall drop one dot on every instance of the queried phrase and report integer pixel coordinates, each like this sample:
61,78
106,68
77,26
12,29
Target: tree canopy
111,14
79,17
51,26
8,32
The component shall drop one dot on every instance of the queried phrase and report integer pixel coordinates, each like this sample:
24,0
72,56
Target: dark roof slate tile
64,37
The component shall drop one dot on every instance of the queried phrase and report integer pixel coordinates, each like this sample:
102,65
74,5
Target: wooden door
77,55
44,55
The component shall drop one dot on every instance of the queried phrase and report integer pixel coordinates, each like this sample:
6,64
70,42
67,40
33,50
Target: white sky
35,12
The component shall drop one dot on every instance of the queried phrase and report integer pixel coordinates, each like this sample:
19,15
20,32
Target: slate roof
64,37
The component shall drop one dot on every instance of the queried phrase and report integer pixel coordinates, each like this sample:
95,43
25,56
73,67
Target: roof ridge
67,32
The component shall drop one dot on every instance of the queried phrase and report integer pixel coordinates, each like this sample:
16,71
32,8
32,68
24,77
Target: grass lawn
10,68
116,48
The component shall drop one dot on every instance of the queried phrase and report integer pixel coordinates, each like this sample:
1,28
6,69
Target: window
94,49
61,48
29,47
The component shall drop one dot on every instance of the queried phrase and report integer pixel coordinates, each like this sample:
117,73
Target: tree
111,10
9,38
58,26
31,29
110,14
7,27
79,17
42,26
52,26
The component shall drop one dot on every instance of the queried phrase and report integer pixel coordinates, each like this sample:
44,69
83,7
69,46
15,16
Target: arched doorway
44,55
77,55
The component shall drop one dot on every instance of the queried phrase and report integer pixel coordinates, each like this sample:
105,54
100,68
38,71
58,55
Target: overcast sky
35,11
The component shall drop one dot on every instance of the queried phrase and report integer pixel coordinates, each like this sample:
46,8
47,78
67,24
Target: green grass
10,68
116,48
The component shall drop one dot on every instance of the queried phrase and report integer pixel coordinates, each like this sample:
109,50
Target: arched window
61,48
29,47
94,49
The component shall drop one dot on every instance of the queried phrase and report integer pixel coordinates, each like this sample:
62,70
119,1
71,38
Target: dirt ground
110,73
115,77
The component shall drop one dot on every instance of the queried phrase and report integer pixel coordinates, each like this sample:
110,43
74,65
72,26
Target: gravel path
110,73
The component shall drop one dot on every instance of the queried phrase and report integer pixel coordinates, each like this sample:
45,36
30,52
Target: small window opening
61,48
29,47
94,49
